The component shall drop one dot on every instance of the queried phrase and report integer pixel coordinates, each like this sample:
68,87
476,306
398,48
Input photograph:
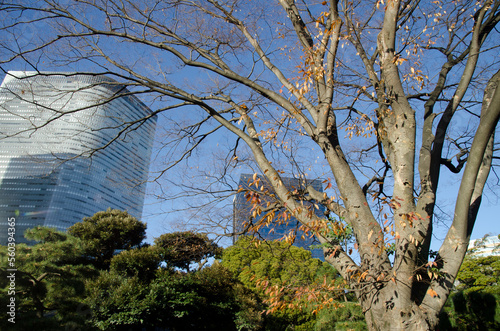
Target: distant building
242,211
486,246
55,163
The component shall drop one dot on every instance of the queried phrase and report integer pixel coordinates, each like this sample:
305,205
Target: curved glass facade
70,145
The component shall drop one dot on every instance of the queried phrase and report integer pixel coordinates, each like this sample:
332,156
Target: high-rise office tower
243,210
70,145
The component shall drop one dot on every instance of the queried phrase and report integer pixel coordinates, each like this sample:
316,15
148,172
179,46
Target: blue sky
160,217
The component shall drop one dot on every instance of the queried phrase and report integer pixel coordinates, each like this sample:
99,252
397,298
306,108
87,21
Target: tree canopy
108,231
296,288
380,99
474,303
181,249
50,280
480,274
276,262
58,286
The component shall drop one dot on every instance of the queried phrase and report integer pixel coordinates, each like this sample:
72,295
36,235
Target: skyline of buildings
242,212
70,145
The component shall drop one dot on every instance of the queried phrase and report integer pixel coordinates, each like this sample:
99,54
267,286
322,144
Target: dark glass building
70,146
242,212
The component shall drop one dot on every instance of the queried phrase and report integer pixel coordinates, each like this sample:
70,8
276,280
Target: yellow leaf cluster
360,127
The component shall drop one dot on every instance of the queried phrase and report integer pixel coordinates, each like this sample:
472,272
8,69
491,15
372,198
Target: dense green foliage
61,286
180,249
77,280
58,286
50,281
480,274
108,231
209,299
274,260
142,261
475,304
295,284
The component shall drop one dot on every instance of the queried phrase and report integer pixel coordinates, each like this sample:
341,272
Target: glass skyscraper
70,145
242,212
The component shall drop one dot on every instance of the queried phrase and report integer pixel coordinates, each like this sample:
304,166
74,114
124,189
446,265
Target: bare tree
377,92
